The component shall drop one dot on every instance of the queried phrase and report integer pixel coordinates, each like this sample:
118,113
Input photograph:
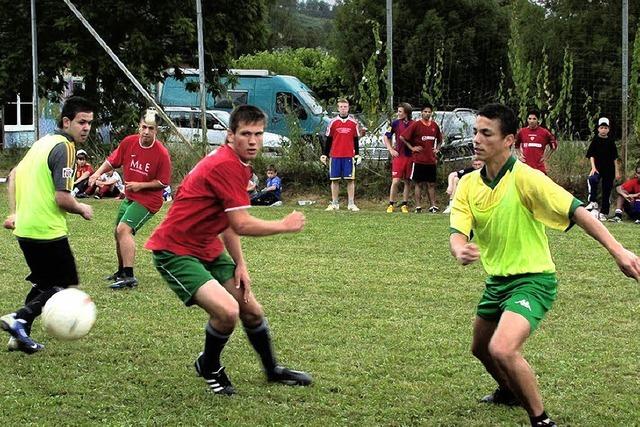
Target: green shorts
133,214
185,274
530,295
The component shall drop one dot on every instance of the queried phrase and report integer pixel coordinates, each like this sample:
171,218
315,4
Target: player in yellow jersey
505,207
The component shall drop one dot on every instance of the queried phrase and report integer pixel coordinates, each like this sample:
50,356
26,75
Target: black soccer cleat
501,397
218,382
546,423
287,376
124,282
113,277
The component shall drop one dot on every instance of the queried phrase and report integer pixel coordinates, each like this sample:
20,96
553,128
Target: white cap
81,152
603,122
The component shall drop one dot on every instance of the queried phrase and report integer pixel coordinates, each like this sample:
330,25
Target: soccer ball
69,314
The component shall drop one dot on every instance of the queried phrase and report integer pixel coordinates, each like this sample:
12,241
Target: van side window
231,99
287,103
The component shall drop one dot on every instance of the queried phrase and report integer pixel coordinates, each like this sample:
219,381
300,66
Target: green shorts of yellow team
529,295
133,214
186,274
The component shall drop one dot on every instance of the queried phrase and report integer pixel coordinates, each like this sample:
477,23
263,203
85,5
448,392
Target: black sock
539,419
214,342
391,203
30,311
404,203
260,339
127,271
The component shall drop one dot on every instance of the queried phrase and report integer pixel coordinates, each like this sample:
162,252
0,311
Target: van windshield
309,98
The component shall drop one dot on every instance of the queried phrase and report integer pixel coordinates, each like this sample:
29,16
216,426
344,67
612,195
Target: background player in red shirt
629,198
342,148
146,168
532,143
204,270
423,137
401,163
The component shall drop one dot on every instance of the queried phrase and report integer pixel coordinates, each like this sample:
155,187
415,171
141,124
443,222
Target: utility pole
390,53
203,91
34,70
625,82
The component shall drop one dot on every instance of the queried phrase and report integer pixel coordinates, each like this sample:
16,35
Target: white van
187,120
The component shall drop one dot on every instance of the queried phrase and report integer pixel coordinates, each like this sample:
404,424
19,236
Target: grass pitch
371,304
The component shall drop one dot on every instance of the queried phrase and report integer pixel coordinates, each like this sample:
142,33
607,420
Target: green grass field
371,304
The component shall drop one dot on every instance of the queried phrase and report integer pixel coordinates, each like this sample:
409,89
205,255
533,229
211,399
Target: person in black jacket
605,168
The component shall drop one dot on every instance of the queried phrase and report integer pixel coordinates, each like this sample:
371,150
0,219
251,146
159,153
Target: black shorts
423,173
51,262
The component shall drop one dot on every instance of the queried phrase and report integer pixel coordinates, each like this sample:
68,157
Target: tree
149,37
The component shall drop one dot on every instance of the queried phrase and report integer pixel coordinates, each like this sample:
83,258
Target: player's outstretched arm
104,167
627,261
68,203
244,224
463,251
10,221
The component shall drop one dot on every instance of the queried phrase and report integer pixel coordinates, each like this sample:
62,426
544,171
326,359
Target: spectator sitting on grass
83,171
252,186
629,199
109,185
271,194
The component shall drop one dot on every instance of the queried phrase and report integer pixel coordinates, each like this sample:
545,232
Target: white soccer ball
69,314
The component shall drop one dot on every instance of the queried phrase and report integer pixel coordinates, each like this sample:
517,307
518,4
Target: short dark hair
534,112
427,105
406,107
504,114
81,157
73,106
272,168
247,114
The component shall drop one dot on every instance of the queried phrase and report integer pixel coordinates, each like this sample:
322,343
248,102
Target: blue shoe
124,282
17,330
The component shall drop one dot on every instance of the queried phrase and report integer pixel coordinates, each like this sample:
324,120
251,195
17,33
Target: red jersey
82,169
632,186
215,186
143,164
425,135
343,133
398,127
533,143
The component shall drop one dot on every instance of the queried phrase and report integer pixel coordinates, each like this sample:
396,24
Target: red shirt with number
533,143
215,186
143,164
423,134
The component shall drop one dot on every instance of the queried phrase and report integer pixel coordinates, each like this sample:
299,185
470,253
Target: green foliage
432,87
148,37
369,96
634,91
591,117
560,114
544,97
294,24
521,70
315,67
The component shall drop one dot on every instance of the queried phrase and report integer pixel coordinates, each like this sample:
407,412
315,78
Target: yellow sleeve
461,219
550,204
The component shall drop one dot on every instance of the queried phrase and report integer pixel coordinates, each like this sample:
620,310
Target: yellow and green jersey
508,217
38,176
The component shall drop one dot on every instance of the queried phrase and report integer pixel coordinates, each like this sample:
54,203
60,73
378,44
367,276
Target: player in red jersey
146,167
532,142
343,150
401,163
205,270
424,139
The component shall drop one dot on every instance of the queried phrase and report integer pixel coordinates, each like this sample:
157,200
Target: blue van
273,93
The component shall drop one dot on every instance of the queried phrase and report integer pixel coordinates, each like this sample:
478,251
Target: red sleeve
628,186
229,184
552,140
330,128
115,159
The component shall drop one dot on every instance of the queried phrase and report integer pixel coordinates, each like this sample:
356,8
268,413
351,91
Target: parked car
187,121
457,134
